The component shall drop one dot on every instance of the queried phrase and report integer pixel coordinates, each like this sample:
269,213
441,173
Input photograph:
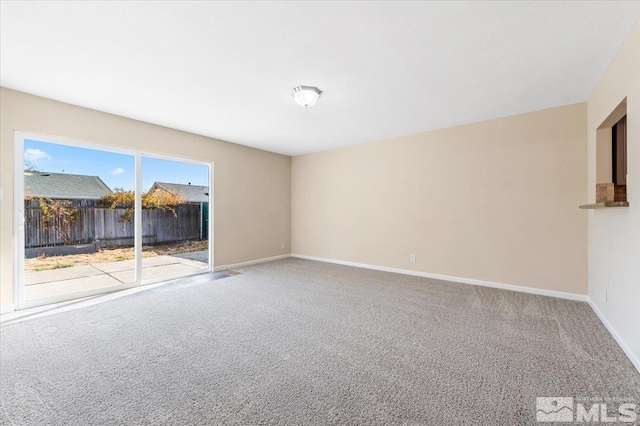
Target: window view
175,211
80,229
75,241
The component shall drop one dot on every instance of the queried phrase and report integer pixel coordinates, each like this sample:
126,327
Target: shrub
157,199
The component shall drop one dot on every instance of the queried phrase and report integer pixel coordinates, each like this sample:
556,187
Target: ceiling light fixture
306,96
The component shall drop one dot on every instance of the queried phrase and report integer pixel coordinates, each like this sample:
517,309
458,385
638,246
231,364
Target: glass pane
79,229
175,211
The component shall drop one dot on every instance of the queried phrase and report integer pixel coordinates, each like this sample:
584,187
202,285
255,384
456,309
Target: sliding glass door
175,225
92,219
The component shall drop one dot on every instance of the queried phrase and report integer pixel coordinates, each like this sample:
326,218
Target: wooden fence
95,222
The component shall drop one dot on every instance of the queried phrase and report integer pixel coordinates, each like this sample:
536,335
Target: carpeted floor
302,342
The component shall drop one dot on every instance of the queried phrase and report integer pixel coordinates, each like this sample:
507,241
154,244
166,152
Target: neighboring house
81,192
64,186
192,194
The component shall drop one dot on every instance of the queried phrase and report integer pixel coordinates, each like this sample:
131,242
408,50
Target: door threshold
30,313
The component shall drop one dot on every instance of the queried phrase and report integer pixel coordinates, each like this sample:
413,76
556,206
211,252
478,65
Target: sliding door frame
138,212
19,219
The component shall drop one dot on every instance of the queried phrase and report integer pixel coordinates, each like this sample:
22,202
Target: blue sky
116,170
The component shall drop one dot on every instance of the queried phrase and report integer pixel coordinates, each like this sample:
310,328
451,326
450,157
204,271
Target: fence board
102,223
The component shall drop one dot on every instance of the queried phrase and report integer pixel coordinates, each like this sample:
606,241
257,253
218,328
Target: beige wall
252,205
614,234
495,201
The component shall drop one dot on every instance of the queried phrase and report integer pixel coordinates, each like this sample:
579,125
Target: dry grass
111,255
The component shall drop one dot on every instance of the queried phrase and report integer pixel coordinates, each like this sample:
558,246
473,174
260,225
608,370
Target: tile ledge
605,205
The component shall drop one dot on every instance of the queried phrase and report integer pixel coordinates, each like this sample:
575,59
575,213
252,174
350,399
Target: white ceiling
387,69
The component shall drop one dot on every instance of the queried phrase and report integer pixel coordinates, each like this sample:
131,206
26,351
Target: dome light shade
306,96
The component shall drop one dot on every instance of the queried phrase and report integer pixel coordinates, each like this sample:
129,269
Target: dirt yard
112,255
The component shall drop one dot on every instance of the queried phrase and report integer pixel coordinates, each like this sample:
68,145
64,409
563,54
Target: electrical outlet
284,245
413,258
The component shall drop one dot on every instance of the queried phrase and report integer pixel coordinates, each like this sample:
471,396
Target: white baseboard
6,309
511,287
249,262
634,360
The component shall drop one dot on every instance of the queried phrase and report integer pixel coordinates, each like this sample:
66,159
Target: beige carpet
302,342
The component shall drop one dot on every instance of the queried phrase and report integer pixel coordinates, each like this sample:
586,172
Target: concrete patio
81,278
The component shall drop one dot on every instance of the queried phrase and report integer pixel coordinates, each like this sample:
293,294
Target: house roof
64,186
190,193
